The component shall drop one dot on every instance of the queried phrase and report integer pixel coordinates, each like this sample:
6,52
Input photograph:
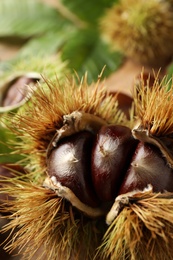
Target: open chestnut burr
100,185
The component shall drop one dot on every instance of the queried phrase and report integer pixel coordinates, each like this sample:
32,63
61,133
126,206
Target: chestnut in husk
132,27
89,167
111,155
70,164
148,166
17,90
107,163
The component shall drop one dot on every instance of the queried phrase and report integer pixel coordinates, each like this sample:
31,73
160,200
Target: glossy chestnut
99,167
70,164
148,166
111,155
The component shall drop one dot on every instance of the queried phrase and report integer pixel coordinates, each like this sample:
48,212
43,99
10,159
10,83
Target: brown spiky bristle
143,230
43,225
139,29
37,124
153,104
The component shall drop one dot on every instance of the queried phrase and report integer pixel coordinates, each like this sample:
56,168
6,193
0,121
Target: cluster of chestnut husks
97,167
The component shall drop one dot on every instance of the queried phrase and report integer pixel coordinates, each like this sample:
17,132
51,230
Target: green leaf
27,18
49,32
47,44
89,10
86,52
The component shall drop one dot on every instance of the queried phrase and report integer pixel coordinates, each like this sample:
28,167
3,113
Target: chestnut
17,89
70,164
148,166
111,157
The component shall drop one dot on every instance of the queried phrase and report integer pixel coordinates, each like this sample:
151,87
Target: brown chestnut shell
148,166
111,157
70,164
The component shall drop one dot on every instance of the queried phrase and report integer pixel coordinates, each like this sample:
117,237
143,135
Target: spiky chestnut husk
150,169
50,106
123,201
18,82
141,223
50,66
143,229
48,224
61,230
139,29
155,113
